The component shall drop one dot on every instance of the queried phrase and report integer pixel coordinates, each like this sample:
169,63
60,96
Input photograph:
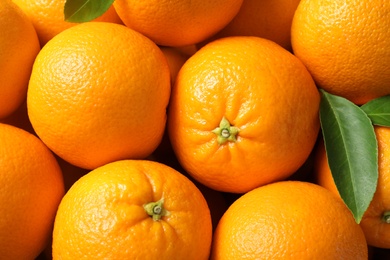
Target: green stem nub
386,217
156,209
225,132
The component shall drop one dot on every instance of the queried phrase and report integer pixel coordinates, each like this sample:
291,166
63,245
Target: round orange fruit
177,23
175,58
344,45
269,19
243,113
19,46
133,209
31,189
98,93
48,17
288,220
376,220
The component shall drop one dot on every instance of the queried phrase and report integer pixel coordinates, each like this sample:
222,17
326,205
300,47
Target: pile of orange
185,129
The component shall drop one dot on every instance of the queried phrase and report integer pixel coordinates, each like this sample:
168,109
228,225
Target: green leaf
80,11
352,151
378,110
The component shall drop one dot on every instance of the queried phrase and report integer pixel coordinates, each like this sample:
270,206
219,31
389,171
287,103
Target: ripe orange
175,58
31,189
48,17
288,220
376,220
18,48
269,19
177,23
98,93
188,49
133,209
344,45
243,113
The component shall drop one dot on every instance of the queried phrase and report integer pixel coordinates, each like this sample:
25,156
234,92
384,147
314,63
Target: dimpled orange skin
344,45
31,190
376,230
48,17
102,215
19,46
177,22
98,93
267,19
261,89
288,220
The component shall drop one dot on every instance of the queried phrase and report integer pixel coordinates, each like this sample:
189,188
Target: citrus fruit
269,19
288,220
48,17
189,50
344,45
98,93
376,220
243,113
175,58
177,23
19,46
31,189
133,209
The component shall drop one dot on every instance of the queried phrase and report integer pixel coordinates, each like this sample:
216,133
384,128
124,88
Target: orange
288,220
243,113
133,209
269,19
31,189
344,45
175,58
18,48
177,23
189,50
48,17
376,220
98,93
